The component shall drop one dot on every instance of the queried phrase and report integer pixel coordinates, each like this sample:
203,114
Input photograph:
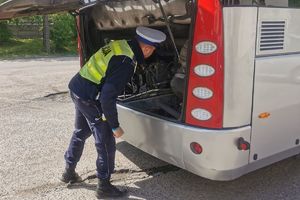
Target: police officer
94,91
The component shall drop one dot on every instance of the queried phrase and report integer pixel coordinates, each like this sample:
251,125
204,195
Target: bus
221,97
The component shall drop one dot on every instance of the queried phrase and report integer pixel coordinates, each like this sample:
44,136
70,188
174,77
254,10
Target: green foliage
21,48
294,3
16,48
27,20
62,37
5,33
63,32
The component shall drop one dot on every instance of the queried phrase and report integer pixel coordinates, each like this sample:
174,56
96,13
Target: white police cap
150,36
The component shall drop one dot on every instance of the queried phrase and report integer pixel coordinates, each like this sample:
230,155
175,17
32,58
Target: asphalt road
36,124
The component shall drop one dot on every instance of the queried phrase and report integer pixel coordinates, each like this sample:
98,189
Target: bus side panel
240,40
277,83
277,92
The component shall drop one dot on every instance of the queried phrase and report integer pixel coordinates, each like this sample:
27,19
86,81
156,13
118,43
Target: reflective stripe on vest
95,69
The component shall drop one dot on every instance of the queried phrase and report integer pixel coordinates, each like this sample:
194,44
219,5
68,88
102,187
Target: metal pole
168,27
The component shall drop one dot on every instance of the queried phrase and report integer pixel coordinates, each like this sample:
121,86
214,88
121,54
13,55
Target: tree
46,34
5,33
63,31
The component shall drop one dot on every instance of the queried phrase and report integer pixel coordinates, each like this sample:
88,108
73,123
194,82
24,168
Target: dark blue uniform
91,101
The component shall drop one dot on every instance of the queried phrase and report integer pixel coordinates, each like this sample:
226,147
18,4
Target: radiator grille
272,35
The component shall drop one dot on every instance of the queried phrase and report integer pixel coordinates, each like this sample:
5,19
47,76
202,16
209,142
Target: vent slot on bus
272,35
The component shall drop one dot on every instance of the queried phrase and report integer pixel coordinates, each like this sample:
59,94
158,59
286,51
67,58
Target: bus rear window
267,3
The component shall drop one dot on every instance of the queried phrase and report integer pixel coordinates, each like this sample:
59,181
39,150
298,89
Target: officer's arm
115,82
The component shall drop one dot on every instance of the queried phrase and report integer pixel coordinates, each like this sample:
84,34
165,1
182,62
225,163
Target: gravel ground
36,124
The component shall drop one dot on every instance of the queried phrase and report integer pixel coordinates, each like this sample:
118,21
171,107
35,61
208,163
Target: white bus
221,97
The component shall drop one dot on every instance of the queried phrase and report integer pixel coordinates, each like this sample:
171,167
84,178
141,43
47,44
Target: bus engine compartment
157,87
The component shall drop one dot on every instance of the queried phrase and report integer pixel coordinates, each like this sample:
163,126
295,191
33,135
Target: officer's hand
118,132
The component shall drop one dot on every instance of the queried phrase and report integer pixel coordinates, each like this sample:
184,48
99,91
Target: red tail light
196,148
206,78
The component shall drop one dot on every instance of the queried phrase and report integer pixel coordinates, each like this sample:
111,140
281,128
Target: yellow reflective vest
95,69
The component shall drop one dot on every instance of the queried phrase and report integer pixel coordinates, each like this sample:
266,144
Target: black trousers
88,121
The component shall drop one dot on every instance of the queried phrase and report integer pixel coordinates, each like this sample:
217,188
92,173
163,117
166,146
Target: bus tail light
202,92
204,102
79,41
201,114
243,145
196,148
204,70
206,47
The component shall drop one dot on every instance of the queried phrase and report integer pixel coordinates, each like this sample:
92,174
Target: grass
24,48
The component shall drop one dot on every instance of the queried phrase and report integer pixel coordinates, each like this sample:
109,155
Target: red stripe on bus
79,47
208,27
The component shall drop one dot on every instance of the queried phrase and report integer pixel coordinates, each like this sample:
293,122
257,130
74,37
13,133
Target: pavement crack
55,94
60,96
91,177
150,171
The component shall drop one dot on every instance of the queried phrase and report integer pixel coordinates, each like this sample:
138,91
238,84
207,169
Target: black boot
106,190
70,176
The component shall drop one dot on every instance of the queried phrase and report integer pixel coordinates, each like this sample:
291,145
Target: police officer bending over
94,91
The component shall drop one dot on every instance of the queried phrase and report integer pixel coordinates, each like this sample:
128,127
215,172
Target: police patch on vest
106,50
